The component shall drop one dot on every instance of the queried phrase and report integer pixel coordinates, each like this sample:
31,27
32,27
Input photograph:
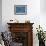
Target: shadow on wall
43,6
0,15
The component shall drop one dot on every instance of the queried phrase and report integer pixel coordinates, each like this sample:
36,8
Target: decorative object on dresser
22,33
13,21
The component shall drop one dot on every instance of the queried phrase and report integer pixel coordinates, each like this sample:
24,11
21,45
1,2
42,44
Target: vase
41,43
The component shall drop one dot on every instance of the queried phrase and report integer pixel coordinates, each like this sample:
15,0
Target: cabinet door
24,38
20,37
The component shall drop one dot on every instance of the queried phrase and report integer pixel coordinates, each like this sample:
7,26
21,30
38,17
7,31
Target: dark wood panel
22,27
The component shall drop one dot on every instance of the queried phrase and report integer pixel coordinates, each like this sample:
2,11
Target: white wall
43,14
43,6
33,10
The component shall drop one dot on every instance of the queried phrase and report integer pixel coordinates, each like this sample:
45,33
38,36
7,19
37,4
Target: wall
43,14
43,6
0,15
33,10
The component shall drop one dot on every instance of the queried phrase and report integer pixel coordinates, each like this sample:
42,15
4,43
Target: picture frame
20,9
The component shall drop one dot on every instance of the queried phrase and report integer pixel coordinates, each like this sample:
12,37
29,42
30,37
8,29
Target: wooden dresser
22,33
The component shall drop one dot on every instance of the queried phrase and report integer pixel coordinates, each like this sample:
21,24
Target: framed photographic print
20,9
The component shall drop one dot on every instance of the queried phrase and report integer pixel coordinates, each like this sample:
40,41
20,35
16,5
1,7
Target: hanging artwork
20,9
